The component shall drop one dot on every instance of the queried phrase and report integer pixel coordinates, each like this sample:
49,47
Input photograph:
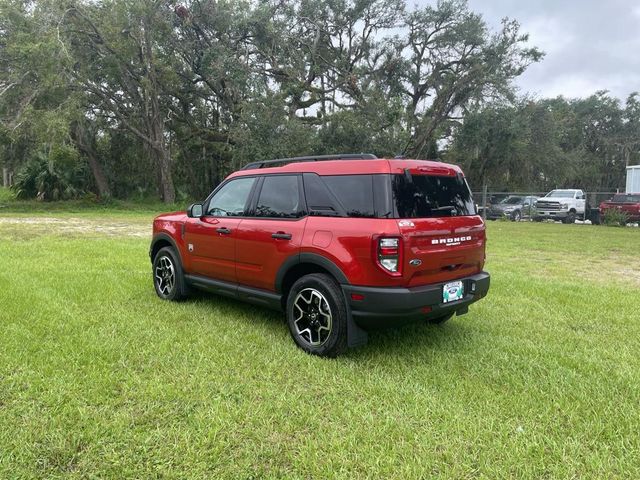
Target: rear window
626,198
426,196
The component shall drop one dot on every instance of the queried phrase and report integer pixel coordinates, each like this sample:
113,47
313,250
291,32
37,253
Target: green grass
100,379
6,196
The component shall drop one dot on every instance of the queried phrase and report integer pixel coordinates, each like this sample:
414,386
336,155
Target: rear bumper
390,306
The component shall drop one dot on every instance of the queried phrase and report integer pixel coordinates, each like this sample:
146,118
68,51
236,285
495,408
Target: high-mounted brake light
389,254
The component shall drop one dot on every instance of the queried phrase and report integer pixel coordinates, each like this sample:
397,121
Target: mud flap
356,336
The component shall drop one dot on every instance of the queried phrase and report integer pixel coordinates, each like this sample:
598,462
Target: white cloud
590,45
548,34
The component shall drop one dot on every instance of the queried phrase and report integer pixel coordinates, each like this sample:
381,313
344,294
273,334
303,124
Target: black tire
570,218
168,277
441,320
537,219
516,216
310,299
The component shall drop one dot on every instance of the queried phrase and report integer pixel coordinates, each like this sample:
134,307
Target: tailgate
442,249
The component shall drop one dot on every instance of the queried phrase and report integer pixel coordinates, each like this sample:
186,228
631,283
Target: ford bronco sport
340,243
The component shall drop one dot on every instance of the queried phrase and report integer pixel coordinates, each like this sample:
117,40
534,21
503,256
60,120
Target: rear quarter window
355,193
363,196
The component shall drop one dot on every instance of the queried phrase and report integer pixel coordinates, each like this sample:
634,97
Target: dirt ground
35,226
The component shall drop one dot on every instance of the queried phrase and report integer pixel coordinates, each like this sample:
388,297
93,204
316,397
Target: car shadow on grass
417,338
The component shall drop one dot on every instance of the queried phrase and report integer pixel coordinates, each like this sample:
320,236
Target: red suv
627,203
340,243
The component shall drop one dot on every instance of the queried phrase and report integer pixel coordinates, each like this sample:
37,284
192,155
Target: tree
451,62
120,64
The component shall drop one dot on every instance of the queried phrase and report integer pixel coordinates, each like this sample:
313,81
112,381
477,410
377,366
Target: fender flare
163,236
314,259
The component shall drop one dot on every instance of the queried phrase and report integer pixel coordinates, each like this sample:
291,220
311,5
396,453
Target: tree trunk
98,175
161,156
167,189
85,143
155,125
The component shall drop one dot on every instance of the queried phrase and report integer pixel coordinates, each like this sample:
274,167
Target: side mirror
195,210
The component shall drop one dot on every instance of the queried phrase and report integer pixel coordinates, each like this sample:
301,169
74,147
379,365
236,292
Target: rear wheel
317,315
168,278
516,216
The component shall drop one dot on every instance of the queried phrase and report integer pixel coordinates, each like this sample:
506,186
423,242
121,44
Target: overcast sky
590,45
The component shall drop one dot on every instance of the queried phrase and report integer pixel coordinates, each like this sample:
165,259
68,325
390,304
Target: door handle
223,230
281,236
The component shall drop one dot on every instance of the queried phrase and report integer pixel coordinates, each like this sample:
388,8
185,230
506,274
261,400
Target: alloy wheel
165,274
313,321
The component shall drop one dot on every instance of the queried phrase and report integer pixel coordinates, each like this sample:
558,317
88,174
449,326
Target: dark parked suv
340,243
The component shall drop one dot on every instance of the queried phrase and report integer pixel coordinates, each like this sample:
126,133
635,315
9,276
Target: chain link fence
521,205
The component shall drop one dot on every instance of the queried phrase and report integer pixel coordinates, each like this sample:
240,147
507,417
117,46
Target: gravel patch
76,226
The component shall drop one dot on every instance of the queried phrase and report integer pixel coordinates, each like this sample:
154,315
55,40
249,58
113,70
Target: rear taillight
389,254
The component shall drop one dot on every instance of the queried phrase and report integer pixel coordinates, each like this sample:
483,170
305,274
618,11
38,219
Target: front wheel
317,315
168,278
570,218
517,216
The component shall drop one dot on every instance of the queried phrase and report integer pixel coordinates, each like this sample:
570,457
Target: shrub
615,218
6,195
53,176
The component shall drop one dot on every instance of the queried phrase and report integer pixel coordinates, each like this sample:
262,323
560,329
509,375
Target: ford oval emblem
415,262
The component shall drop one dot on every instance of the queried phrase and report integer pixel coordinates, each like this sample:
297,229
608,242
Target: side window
279,197
231,199
319,200
355,193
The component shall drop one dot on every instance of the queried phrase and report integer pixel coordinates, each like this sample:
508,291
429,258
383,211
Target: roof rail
311,158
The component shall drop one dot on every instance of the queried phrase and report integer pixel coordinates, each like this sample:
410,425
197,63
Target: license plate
452,291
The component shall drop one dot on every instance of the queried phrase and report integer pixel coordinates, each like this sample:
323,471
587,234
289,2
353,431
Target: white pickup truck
565,205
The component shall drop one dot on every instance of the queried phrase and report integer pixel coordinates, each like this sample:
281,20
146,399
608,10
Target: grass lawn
101,379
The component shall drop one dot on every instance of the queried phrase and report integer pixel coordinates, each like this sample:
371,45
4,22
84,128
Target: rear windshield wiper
446,207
